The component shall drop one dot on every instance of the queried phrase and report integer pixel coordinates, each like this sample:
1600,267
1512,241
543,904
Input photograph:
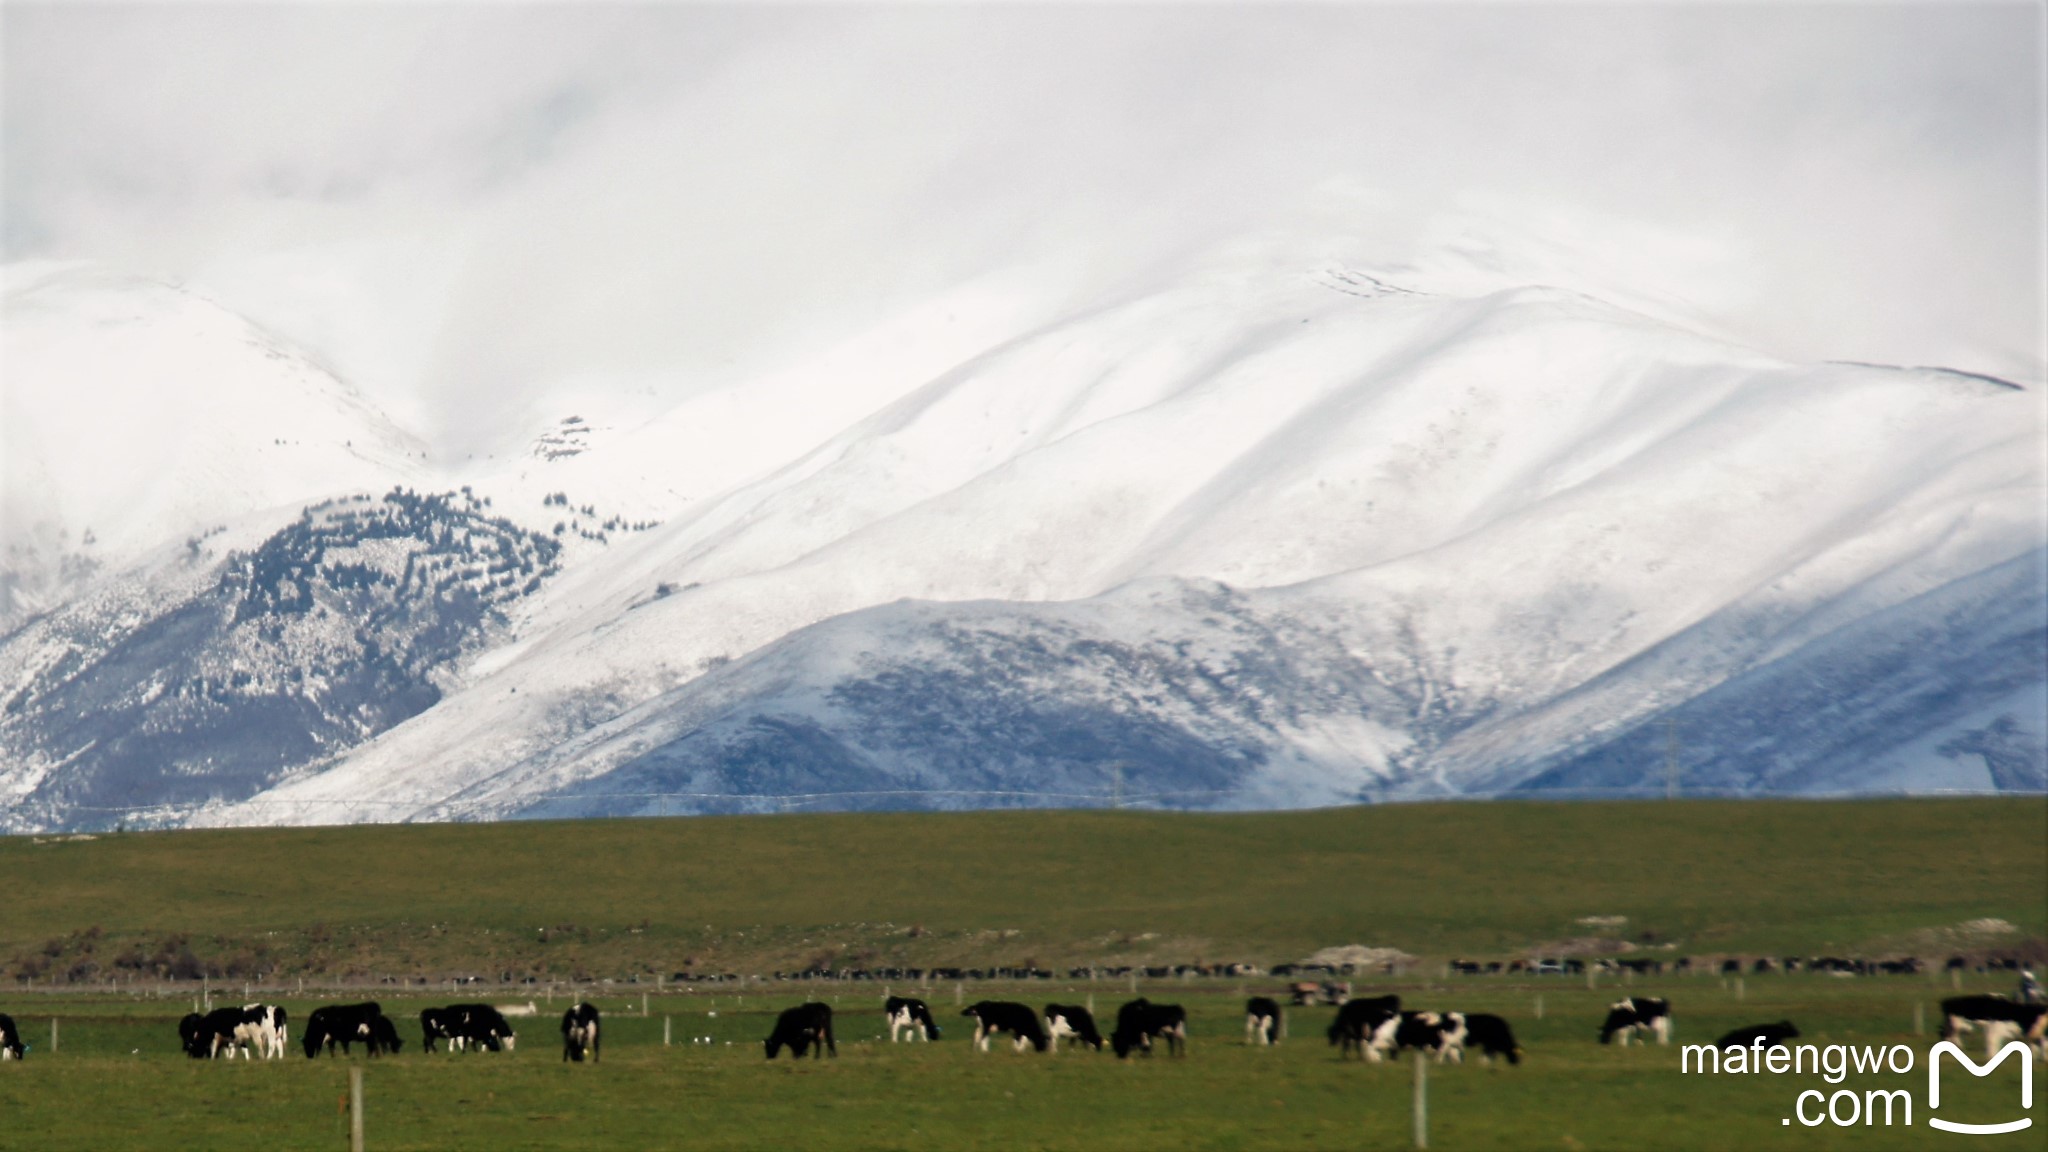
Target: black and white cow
341,1024
579,1033
1632,1016
1358,1021
437,1024
912,1015
1140,1021
224,1032
1766,1035
2001,1020
1440,1034
1492,1036
256,1028
804,1028
11,1047
1261,1021
480,1026
993,1016
1071,1022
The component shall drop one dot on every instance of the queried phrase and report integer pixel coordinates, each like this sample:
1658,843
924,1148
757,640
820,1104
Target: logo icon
2016,1048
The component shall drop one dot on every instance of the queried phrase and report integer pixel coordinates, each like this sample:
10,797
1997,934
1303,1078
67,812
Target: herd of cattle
1375,1028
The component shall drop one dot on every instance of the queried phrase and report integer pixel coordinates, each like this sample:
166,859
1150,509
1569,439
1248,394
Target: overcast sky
462,207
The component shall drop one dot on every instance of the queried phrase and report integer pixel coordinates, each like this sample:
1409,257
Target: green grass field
621,899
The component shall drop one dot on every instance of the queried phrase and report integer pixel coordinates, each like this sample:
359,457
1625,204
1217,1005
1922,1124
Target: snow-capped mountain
1251,534
139,413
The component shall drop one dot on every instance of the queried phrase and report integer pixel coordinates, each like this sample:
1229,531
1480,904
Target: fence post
1421,1100
664,1031
355,1110
1740,988
53,1034
643,1005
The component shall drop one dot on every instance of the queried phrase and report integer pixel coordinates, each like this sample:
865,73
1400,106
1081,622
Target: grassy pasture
117,1080
621,899
624,897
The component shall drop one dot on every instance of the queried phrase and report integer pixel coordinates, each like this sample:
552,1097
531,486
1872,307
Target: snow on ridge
1493,501
137,412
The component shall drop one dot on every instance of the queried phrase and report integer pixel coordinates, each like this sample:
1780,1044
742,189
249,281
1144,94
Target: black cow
480,1026
2001,1020
1358,1021
579,1033
342,1024
1261,1021
804,1028
382,1036
993,1016
1770,1035
1071,1022
1139,1021
1492,1036
11,1047
1630,1017
904,1012
188,1036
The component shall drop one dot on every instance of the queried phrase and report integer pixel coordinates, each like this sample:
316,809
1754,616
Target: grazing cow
1261,1021
438,1024
220,1033
11,1047
381,1036
1358,1021
481,1025
1631,1016
260,1027
342,1024
805,1028
906,1013
1441,1034
1071,1022
993,1016
1492,1036
2002,1021
579,1033
1768,1035
1140,1021
188,1035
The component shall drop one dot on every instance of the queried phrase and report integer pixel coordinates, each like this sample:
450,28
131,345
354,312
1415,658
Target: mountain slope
1495,531
138,414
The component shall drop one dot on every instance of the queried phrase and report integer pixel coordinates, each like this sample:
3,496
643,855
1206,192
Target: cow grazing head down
909,1015
1139,1022
804,1028
1632,1016
579,1033
993,1016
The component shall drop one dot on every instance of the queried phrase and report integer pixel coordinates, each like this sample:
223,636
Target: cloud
464,207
